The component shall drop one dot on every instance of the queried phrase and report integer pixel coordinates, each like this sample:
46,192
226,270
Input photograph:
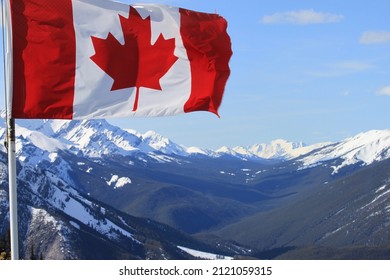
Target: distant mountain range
90,190
96,138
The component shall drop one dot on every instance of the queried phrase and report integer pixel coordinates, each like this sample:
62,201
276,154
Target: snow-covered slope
162,144
199,151
364,148
92,138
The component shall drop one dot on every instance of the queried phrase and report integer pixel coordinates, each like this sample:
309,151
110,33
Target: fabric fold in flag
83,59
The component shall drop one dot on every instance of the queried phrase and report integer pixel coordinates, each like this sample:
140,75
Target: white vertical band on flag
8,57
93,96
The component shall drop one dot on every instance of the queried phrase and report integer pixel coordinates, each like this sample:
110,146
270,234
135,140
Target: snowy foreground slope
58,222
81,184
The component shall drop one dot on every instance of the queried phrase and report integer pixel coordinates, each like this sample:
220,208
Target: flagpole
13,204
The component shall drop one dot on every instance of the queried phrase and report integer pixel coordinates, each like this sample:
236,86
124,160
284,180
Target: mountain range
91,190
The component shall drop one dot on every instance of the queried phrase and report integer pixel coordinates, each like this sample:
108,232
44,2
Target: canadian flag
81,59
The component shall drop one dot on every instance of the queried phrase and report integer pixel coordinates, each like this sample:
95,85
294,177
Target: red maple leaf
136,63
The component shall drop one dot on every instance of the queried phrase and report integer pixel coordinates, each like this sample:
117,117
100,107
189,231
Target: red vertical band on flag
44,59
209,50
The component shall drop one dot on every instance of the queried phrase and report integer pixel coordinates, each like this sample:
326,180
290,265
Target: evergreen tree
32,253
2,243
8,242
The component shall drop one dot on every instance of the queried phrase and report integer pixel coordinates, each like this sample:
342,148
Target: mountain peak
162,144
366,147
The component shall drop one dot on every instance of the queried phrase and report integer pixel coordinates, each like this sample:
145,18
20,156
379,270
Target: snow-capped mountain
91,138
364,148
163,144
96,138
277,149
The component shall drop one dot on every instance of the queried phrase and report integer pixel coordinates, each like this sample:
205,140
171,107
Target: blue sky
302,70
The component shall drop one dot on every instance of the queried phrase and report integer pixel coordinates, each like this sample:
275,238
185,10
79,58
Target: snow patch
117,182
199,151
53,157
375,199
381,189
204,255
227,173
75,225
42,215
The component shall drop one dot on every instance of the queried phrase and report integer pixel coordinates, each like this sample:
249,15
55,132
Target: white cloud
384,91
375,37
343,68
302,17
353,65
